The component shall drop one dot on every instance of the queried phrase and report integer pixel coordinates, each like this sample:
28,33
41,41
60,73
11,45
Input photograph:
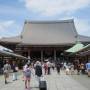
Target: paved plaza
54,82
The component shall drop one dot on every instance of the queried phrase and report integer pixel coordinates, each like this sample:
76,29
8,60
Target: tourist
64,65
88,68
58,67
27,76
1,66
78,68
15,70
24,69
38,70
6,69
45,68
53,65
82,68
67,70
72,69
49,67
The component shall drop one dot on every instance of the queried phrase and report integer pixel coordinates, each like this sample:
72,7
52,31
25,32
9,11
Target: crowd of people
43,68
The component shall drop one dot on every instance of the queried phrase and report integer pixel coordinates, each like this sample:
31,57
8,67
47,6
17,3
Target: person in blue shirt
88,68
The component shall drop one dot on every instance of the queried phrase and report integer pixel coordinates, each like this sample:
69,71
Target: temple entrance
38,55
44,53
48,54
35,55
60,56
25,54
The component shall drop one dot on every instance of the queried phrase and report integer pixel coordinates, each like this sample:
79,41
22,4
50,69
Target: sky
13,14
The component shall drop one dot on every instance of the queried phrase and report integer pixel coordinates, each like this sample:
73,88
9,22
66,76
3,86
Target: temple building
45,39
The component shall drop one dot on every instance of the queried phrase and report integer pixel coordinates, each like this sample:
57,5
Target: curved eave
84,39
6,42
9,54
84,49
11,40
48,44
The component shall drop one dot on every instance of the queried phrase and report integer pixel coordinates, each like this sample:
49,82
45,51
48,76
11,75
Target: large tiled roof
48,33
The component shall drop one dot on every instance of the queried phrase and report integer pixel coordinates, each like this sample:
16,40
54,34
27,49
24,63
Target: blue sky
13,13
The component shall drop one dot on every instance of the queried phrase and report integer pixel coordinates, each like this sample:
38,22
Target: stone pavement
82,79
54,82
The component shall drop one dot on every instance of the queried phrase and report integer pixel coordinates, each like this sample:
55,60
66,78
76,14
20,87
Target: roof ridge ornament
49,21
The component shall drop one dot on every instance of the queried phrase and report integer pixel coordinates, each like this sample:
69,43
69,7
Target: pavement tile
54,82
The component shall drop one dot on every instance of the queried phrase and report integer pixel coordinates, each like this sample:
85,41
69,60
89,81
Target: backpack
38,70
28,73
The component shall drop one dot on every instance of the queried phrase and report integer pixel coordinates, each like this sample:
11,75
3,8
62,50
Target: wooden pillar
41,55
54,54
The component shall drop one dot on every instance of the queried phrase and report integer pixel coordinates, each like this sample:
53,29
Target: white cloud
9,28
4,25
82,26
54,7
